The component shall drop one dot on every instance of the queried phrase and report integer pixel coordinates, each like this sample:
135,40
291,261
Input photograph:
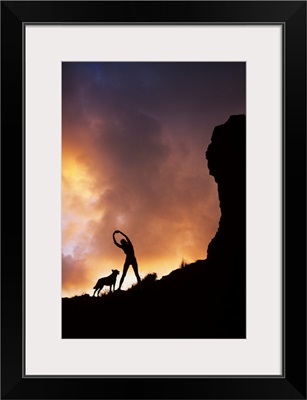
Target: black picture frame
292,16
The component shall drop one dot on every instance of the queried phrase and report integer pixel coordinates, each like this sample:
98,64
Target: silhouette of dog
106,281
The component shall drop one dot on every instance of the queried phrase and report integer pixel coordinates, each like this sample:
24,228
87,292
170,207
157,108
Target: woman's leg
135,269
125,269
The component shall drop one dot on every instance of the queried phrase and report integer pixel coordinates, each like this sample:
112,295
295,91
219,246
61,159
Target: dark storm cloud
163,87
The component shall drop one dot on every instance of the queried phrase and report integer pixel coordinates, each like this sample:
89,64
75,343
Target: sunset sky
134,137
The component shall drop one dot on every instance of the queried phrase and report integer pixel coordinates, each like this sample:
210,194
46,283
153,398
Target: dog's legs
94,292
99,291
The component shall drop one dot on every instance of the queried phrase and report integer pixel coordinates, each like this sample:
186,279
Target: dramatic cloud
134,142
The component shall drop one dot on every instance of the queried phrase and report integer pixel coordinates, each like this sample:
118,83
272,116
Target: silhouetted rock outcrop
226,155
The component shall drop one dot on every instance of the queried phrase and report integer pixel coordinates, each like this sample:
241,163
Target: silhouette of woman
128,249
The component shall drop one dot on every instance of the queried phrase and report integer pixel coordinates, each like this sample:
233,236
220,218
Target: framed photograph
154,207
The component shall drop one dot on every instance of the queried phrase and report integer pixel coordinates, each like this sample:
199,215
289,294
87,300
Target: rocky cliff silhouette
205,299
226,155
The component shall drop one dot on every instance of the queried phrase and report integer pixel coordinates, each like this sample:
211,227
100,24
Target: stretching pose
128,249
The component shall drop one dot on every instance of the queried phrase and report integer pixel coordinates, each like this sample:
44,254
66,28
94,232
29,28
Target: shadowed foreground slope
205,299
